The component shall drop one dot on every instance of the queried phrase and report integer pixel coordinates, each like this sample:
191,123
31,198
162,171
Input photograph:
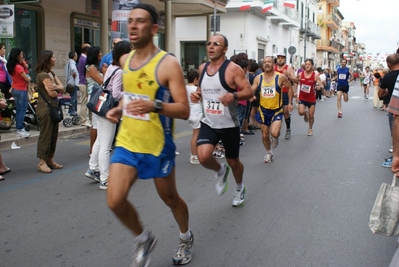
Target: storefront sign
7,21
86,23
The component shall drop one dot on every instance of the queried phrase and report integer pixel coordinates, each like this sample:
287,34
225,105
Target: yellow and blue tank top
270,94
150,133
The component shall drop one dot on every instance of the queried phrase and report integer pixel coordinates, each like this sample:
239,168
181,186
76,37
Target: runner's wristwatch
158,105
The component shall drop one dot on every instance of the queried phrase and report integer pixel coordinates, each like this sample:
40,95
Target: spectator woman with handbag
93,76
17,68
100,157
48,86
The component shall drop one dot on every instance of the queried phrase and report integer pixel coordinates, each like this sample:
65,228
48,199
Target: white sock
141,238
186,235
239,186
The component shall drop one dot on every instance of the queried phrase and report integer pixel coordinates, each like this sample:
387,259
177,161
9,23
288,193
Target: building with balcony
350,50
330,46
62,26
309,31
253,32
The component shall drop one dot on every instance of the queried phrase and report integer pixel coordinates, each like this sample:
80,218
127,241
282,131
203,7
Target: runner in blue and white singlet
344,76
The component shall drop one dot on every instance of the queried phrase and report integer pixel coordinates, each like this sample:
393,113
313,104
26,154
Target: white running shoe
221,180
273,142
194,159
23,133
218,154
184,251
239,195
141,252
268,158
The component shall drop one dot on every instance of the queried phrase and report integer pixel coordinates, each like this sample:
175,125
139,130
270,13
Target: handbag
56,114
101,99
384,216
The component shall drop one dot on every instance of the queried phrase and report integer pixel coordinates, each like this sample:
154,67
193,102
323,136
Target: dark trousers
48,136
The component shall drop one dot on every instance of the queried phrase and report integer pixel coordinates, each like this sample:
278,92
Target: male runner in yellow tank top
154,93
268,88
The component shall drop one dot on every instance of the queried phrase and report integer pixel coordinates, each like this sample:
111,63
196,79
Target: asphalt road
309,207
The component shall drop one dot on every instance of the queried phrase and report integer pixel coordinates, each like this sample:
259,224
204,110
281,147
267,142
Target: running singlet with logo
343,76
285,89
149,133
216,115
270,93
307,90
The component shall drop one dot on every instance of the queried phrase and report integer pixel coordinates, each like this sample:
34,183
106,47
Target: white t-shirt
322,77
195,108
367,77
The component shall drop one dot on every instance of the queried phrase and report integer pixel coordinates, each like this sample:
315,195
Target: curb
62,133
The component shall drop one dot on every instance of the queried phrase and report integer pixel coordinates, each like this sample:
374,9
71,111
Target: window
85,31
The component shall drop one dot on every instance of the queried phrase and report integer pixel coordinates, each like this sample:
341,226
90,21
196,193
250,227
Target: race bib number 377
213,107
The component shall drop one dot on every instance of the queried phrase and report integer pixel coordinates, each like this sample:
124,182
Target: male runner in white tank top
218,84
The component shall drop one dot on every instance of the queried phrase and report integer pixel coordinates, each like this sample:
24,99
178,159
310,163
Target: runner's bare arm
235,77
255,84
291,76
242,82
171,75
283,81
196,96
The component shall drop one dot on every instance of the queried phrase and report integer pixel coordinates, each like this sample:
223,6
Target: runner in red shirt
307,93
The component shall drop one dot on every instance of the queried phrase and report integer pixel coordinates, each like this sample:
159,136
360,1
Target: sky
375,22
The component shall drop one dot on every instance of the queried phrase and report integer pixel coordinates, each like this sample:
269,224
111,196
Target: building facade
64,25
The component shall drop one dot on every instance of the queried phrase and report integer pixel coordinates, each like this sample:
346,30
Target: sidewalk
9,136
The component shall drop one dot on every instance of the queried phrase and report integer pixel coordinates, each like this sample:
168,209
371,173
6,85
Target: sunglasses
214,44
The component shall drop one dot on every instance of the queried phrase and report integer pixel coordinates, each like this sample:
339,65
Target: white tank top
216,115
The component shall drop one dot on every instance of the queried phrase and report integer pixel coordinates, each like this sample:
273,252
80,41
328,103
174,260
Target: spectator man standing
83,85
72,76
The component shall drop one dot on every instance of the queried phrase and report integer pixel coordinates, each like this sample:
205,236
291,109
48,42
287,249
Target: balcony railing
333,44
332,18
289,12
312,30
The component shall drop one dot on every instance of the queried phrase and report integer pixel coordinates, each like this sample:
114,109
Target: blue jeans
21,104
74,101
241,113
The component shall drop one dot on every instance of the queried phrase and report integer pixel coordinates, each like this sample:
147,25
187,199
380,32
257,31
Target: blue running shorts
147,165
